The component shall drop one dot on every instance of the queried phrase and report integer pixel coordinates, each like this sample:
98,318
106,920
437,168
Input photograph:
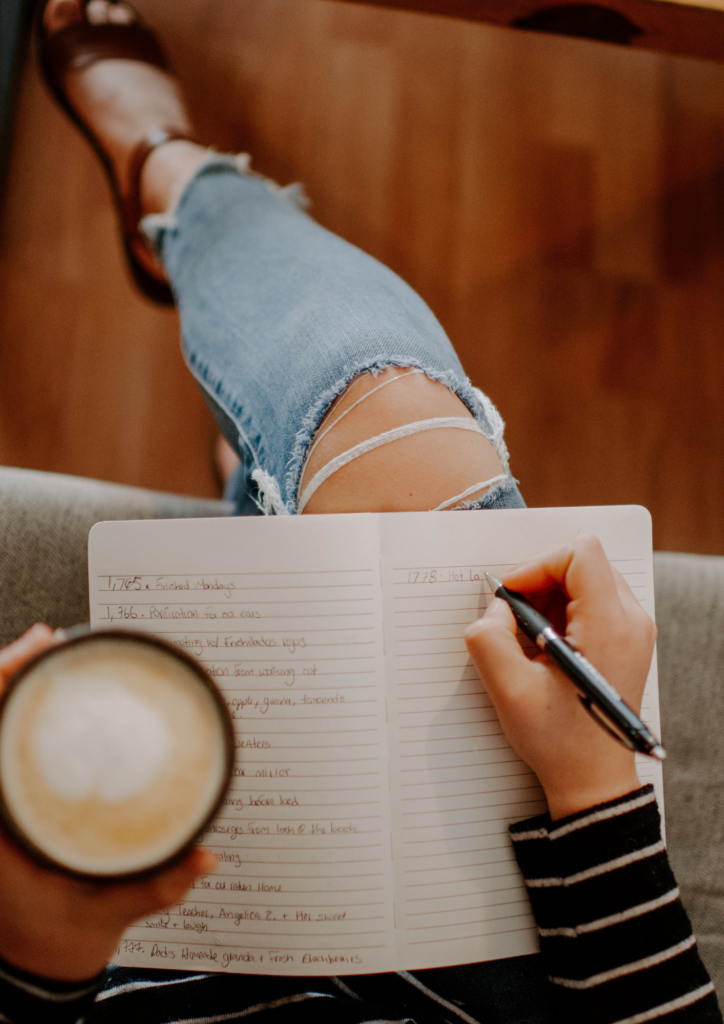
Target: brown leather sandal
77,47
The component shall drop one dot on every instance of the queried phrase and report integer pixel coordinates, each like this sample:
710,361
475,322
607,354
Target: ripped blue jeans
278,315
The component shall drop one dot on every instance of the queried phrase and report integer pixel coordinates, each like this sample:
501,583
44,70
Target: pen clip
605,724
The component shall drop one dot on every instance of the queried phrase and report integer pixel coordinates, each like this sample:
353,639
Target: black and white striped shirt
615,939
616,947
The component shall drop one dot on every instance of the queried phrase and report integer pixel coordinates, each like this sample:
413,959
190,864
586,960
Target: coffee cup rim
44,859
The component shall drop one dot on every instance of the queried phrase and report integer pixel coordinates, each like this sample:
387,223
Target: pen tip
493,582
658,752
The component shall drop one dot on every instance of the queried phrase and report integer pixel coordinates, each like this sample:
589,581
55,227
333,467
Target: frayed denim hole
501,495
477,403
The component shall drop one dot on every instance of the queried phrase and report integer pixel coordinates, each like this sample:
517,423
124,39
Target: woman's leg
287,328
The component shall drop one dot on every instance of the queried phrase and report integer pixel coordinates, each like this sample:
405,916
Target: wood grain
558,203
693,28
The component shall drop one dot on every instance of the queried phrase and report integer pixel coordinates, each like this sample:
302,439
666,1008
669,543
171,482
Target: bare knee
416,472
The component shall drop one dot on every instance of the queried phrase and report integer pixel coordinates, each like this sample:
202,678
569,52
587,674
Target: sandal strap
75,48
78,46
131,203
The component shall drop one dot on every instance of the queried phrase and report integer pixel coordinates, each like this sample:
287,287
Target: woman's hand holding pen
589,602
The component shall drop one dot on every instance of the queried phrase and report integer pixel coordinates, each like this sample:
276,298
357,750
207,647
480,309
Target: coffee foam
111,755
94,736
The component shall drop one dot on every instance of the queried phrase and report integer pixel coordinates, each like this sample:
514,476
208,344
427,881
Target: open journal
366,827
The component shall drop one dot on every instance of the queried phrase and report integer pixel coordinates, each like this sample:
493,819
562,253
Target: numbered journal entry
366,828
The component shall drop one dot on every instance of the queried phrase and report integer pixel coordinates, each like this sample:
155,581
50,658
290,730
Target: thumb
173,884
14,656
493,645
169,887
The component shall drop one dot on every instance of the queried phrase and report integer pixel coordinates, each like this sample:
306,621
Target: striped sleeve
28,999
615,939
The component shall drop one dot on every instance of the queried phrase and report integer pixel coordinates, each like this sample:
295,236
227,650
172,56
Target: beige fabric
690,615
44,523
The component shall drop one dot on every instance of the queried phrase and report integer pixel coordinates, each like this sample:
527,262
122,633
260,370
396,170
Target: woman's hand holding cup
62,927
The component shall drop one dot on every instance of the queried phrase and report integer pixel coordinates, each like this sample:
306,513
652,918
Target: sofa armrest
44,523
690,616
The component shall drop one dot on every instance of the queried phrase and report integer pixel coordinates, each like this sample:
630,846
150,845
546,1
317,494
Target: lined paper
366,826
456,783
288,623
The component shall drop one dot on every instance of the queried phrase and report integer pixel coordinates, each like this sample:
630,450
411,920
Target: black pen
598,694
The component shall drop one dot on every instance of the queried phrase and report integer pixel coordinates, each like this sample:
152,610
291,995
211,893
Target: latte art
94,735
113,753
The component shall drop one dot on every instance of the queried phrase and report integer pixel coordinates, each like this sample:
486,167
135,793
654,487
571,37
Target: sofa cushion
44,523
690,615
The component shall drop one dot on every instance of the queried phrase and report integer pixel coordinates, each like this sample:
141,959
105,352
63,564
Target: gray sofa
44,524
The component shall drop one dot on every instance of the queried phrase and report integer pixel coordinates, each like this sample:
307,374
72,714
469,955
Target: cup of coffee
116,750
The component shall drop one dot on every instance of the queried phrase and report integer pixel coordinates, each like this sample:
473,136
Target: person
340,392
616,944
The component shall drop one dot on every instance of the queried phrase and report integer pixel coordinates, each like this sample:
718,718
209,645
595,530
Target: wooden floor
559,203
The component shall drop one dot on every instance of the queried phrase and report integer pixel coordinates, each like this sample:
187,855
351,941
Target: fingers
631,603
583,572
496,653
121,14
38,638
120,905
102,12
580,568
171,887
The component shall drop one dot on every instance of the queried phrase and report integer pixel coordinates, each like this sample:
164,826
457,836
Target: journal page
456,783
285,614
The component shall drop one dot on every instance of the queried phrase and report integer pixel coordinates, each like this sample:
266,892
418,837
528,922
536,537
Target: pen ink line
291,586
445,739
462,895
504,843
292,906
512,804
276,946
251,632
324,846
326,760
228,603
468,565
208,575
503,831
486,565
477,935
331,803
423,668
450,753
453,796
435,813
511,872
435,682
318,689
436,711
469,720
343,788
